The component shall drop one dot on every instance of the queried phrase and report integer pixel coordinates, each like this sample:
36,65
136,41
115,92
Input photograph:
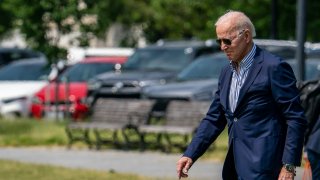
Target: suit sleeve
286,95
209,129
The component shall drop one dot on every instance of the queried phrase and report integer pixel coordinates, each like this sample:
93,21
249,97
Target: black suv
8,55
287,48
154,64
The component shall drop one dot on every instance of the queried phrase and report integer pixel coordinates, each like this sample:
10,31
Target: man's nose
223,46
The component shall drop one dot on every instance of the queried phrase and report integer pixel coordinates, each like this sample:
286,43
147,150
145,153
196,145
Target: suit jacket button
235,119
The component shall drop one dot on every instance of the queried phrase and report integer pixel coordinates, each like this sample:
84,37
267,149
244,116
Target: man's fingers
183,167
187,166
185,170
179,169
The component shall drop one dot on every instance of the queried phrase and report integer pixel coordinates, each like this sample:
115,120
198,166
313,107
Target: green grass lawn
11,170
30,132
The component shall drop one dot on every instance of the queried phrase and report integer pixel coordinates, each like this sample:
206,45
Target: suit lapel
252,74
225,88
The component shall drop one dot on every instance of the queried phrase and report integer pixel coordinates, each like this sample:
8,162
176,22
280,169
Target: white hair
241,21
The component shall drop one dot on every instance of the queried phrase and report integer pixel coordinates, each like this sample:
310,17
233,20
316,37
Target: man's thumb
187,167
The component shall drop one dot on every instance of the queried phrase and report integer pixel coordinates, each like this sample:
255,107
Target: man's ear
247,36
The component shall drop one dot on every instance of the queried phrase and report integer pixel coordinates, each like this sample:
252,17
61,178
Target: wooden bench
181,118
110,115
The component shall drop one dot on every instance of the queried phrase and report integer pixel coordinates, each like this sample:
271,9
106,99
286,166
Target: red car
70,93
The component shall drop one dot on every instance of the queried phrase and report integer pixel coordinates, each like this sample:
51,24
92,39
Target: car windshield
312,68
283,52
24,72
173,59
205,67
82,72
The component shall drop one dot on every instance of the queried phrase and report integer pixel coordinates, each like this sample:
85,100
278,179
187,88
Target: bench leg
98,139
87,138
127,142
169,148
70,138
142,142
78,135
159,142
115,138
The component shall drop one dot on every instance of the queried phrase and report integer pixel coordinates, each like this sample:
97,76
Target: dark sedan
8,55
198,81
152,65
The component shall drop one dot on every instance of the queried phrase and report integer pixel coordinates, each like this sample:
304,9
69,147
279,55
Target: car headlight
151,82
205,95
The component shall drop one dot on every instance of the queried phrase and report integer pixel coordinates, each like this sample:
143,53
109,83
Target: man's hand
183,166
286,175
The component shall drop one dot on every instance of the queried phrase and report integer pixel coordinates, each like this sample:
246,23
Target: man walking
258,100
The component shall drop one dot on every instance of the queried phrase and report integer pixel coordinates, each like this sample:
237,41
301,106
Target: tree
6,20
46,21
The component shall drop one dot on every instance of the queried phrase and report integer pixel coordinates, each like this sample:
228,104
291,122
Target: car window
314,54
82,72
172,59
283,52
7,56
312,68
18,72
205,67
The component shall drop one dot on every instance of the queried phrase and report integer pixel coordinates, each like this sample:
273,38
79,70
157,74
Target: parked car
197,82
68,93
314,51
19,80
283,48
77,54
312,68
154,64
8,55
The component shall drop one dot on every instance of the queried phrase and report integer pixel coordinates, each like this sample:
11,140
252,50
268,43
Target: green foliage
6,20
36,22
159,19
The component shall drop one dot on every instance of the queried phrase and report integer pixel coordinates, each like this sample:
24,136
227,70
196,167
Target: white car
18,83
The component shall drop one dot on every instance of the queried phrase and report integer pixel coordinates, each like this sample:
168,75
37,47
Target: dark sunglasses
228,42
225,41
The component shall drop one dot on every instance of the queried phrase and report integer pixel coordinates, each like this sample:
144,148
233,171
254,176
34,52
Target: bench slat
113,115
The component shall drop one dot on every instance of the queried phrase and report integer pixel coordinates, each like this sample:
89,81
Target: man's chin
229,56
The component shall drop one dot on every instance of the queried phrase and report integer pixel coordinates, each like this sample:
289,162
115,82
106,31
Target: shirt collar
246,61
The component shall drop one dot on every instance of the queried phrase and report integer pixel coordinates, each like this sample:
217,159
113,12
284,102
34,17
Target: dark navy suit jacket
267,127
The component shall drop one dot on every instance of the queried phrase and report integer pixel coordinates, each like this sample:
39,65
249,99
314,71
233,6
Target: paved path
153,164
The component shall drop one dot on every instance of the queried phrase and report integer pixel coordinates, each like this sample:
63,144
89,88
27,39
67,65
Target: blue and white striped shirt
238,78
